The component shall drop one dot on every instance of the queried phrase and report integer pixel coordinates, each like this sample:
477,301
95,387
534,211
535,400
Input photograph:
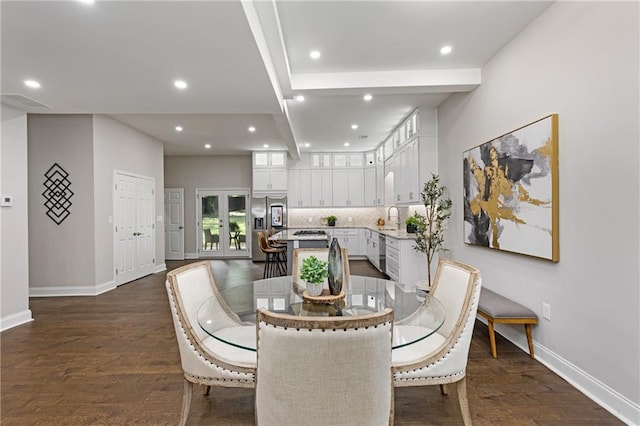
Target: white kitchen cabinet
321,188
370,159
349,239
406,176
269,181
269,173
268,159
403,263
348,187
370,187
299,188
373,248
321,160
348,159
380,185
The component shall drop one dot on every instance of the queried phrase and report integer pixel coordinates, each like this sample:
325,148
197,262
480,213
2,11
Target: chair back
300,254
457,286
188,287
262,242
324,370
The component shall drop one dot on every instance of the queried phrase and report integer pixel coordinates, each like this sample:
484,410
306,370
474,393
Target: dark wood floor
113,360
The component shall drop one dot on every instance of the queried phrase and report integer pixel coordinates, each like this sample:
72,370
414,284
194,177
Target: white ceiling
245,60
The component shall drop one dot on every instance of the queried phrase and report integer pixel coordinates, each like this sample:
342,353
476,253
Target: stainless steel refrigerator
266,213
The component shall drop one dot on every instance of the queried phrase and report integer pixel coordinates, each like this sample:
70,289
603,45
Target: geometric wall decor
510,189
57,194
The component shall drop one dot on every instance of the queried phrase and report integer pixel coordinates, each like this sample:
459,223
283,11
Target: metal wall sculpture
57,193
510,189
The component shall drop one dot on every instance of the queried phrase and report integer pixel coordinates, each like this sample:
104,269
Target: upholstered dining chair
205,360
300,254
324,370
441,358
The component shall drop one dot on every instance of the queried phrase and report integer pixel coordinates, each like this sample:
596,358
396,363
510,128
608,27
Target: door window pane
210,223
237,221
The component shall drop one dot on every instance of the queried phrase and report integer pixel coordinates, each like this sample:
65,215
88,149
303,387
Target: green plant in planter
412,223
314,270
331,220
430,234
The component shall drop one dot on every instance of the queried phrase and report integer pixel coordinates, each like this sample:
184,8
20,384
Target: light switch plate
6,201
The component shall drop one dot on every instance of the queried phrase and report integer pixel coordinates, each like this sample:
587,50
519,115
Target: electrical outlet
546,311
310,219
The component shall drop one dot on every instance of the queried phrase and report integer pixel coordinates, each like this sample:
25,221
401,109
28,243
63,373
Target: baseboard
16,319
71,290
609,399
191,256
160,268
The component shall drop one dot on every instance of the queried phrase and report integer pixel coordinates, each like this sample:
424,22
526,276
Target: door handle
179,227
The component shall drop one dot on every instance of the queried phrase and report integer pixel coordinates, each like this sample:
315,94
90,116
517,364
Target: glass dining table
417,315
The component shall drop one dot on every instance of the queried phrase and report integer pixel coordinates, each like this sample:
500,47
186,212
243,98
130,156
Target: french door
134,227
222,223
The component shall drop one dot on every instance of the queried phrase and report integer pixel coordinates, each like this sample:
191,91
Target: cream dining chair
441,358
324,370
205,360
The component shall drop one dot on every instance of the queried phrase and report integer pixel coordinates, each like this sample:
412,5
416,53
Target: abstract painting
510,187
57,193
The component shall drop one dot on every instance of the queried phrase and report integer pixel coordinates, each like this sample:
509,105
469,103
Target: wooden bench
498,309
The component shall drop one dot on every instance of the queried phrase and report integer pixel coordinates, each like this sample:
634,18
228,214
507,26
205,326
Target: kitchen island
301,238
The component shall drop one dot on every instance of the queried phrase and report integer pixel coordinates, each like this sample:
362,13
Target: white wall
14,227
579,60
119,147
61,256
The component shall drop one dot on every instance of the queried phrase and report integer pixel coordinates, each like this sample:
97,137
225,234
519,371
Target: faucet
397,216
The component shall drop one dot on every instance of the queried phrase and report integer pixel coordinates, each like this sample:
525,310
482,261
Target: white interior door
174,223
134,227
223,223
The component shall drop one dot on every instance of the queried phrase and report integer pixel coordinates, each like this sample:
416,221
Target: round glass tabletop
416,314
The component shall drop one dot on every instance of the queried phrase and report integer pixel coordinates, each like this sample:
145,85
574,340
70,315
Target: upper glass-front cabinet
269,159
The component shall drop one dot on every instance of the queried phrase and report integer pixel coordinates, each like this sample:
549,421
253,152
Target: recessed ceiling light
180,84
32,83
347,144
307,145
266,145
315,54
367,97
354,126
208,146
446,50
299,98
87,1
251,129
178,128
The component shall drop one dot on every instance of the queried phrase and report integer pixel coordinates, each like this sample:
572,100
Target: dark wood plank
113,360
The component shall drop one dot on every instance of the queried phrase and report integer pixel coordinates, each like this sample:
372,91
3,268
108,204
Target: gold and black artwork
511,191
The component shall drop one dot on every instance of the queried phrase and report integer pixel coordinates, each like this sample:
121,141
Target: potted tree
431,226
313,272
331,220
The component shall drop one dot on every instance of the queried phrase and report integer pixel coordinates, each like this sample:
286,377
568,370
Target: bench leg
492,339
527,329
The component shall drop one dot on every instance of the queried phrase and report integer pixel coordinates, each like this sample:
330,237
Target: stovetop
309,232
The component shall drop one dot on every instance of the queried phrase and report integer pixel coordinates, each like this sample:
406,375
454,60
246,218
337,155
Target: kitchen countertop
400,234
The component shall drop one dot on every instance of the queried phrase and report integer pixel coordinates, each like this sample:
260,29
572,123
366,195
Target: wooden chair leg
461,387
527,329
492,339
186,401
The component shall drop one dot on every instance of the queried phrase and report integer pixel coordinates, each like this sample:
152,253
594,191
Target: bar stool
275,258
